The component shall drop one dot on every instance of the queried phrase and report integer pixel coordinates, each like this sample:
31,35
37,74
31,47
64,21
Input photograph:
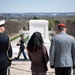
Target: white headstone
42,27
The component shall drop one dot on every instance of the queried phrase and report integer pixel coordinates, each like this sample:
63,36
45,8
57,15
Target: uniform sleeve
10,52
52,52
19,43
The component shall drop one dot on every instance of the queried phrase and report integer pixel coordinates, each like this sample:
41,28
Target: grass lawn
18,37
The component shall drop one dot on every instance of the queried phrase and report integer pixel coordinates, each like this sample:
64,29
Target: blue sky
24,6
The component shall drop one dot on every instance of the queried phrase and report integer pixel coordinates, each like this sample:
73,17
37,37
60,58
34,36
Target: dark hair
3,25
21,35
35,43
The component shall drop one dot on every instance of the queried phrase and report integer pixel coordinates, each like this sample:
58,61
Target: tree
24,24
12,27
51,24
35,17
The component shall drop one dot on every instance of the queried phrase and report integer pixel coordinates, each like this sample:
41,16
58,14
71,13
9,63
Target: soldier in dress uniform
5,50
22,47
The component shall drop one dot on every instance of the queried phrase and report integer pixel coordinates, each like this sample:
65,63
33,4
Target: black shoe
25,59
16,58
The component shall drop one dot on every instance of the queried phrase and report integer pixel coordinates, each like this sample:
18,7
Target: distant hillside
17,21
31,15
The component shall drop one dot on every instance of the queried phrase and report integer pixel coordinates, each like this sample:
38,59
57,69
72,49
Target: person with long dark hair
37,53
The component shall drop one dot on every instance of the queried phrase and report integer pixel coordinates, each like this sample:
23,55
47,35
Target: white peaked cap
2,22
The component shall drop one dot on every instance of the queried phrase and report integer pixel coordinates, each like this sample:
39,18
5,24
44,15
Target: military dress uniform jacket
4,48
21,44
62,50
39,60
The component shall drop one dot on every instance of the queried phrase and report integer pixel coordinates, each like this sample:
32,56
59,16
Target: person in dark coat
62,51
5,50
22,47
37,53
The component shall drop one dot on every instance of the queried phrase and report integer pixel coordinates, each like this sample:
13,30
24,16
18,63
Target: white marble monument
42,27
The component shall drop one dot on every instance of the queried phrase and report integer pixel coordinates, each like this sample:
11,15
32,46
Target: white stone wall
42,27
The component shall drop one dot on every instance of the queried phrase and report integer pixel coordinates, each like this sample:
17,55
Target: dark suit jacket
39,60
4,48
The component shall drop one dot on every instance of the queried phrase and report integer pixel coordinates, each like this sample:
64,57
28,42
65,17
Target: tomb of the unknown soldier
42,27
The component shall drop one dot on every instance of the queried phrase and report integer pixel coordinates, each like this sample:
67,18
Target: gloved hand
9,62
18,44
52,66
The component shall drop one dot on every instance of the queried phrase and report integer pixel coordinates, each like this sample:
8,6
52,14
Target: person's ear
2,29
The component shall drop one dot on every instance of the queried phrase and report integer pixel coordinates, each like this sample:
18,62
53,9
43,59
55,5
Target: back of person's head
21,35
61,27
35,43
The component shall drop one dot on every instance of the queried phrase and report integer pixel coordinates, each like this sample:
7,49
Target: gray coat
62,50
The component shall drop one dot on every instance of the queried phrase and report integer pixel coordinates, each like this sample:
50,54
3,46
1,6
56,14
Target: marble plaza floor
22,67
